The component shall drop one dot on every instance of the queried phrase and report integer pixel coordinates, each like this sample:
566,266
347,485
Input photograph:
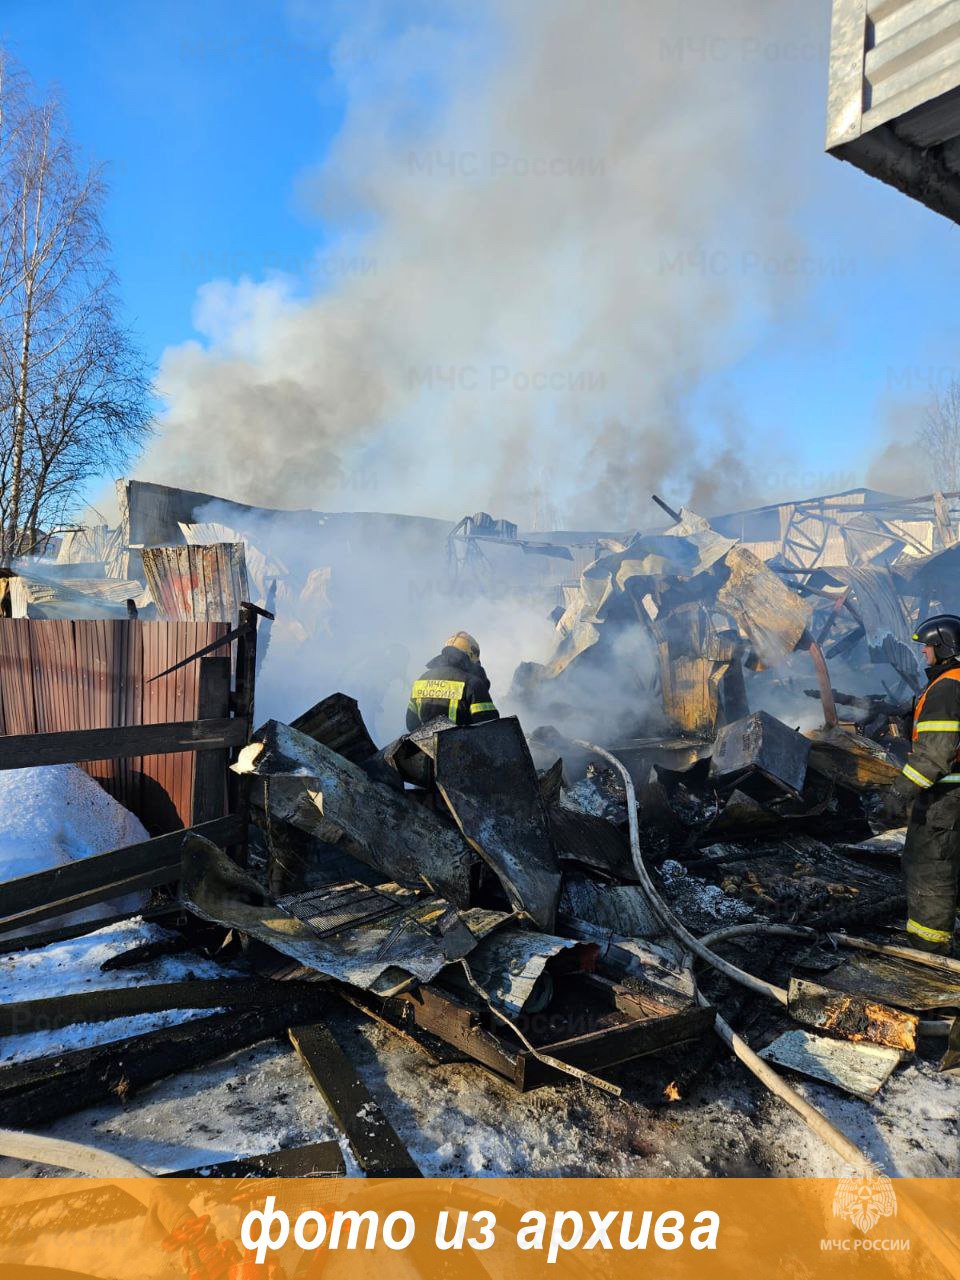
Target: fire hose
816,1120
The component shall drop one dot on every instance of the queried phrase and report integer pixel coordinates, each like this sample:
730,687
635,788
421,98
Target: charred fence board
123,1002
77,746
30,899
317,1160
38,1092
338,724
378,1149
210,770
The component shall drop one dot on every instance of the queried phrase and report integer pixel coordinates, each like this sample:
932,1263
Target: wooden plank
21,751
316,1160
19,1016
374,1142
850,1016
16,673
210,769
27,893
599,1050
33,1094
337,723
91,897
34,941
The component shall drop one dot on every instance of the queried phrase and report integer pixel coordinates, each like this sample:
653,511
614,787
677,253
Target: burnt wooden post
243,705
210,778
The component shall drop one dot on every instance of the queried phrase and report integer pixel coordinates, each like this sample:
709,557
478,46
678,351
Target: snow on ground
456,1118
57,814
65,968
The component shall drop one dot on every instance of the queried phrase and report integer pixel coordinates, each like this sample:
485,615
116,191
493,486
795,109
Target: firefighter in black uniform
929,789
454,685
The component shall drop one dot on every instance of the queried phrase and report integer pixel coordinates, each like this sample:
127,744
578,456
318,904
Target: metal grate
333,908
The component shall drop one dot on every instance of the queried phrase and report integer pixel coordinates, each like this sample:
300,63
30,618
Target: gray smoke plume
575,212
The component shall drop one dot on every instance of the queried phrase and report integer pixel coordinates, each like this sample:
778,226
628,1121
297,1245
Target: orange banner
222,1229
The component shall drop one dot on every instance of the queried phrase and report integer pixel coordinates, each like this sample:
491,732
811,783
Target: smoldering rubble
672,828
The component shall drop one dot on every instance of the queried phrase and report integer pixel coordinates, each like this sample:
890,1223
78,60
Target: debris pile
516,896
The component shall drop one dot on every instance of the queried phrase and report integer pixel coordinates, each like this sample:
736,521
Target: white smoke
573,213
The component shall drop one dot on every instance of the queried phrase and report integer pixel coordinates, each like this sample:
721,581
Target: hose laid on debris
936,1027
660,908
929,959
817,1122
68,1155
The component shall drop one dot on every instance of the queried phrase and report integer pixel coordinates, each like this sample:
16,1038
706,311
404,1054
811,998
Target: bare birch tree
73,393
939,437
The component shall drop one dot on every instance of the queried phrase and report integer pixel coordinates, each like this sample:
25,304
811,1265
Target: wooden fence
59,677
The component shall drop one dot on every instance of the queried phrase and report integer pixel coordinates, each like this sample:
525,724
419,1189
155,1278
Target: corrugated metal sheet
198,583
894,98
912,55
59,675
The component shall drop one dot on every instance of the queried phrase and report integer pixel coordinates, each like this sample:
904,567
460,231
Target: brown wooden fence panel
60,675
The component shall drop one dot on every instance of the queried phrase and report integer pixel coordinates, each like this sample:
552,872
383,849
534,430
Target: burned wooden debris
491,913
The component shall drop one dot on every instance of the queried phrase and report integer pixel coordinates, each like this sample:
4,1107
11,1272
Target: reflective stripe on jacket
454,687
935,757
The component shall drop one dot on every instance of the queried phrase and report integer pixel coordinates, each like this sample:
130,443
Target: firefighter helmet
465,642
942,634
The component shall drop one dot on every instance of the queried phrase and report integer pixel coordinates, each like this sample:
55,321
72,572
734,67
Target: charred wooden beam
851,1017
34,941
374,1141
26,750
33,1094
316,1160
45,894
124,1002
210,776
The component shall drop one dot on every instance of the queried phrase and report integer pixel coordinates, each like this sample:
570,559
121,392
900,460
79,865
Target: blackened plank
23,751
375,1143
42,888
52,1012
36,1093
317,1160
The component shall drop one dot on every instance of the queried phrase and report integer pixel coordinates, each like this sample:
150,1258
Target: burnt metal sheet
885,620
761,742
851,1017
887,847
320,792
621,909
895,981
509,964
860,1069
591,841
376,954
337,723
487,778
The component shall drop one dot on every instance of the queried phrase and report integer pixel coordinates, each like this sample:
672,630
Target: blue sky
209,114
204,115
